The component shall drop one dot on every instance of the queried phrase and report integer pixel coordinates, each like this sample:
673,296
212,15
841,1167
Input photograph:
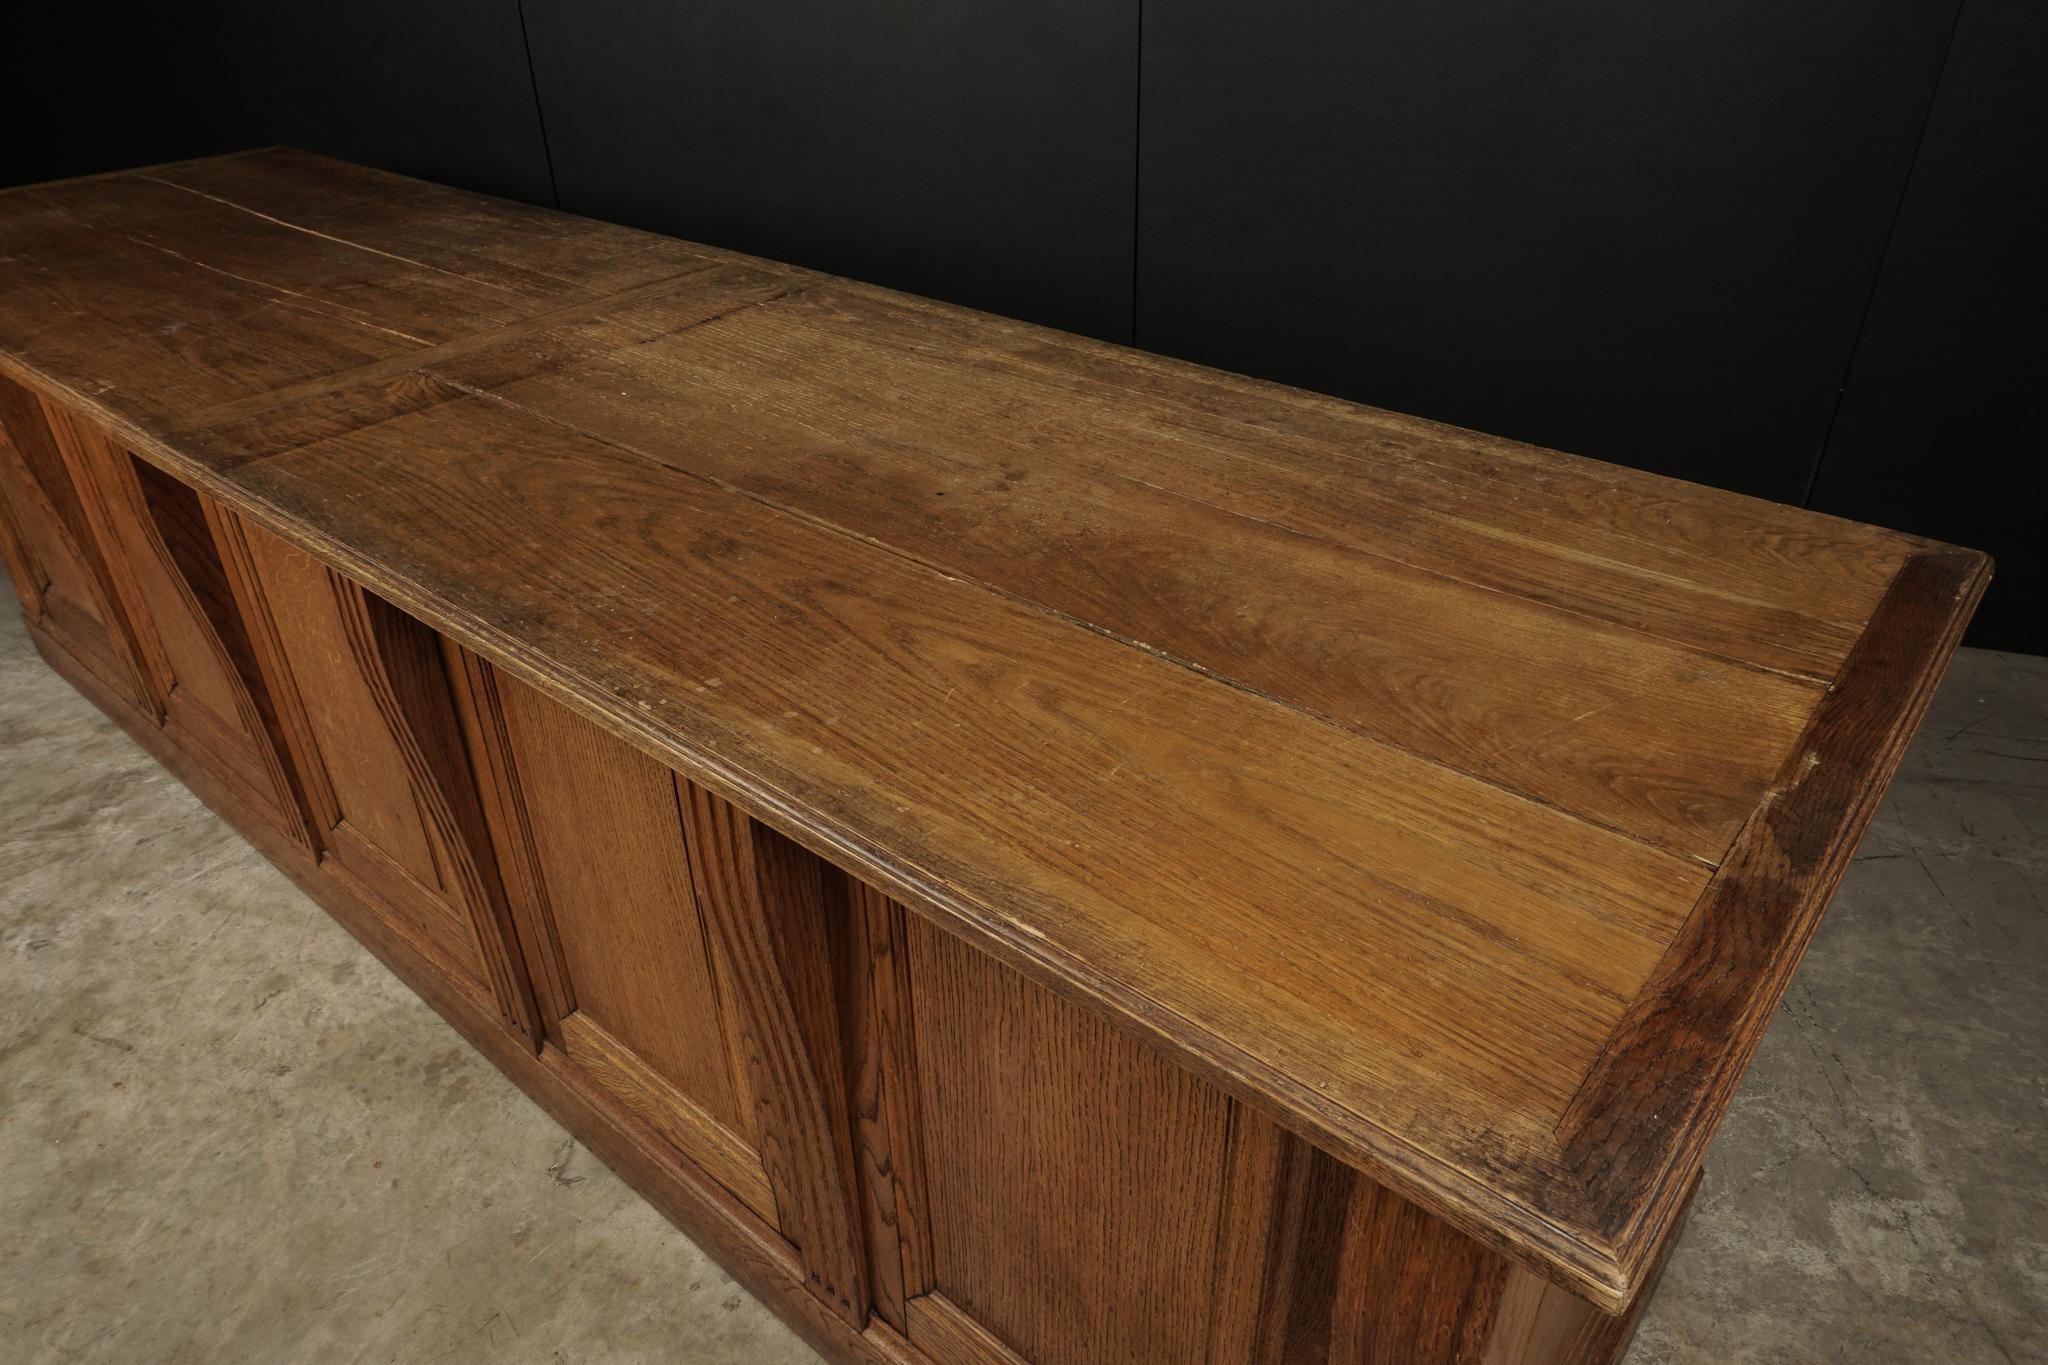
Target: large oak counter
1029,849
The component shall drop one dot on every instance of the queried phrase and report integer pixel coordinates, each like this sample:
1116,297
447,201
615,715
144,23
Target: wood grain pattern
488,733
853,426
614,883
1410,1291
870,947
1396,780
187,626
372,821
648,1095
1074,1176
942,1330
749,1248
1689,1035
401,661
56,554
765,900
1281,1247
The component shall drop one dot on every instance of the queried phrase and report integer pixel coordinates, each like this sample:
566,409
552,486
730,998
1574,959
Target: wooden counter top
1465,805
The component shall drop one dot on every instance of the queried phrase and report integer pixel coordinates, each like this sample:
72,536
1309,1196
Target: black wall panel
435,88
1944,425
981,153
1643,232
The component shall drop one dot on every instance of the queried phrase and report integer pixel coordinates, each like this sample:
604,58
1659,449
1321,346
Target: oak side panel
1075,1177
943,1331
682,1123
365,779
17,523
591,847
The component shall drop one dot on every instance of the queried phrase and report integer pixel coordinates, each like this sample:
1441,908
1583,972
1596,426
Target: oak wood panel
403,664
1075,1177
347,742
766,901
1537,1323
1413,968
74,468
942,1330
1410,1290
704,1138
178,589
1249,1245
55,557
1280,1248
615,877
24,571
834,404
487,731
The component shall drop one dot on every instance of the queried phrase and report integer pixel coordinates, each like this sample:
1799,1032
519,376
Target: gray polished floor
228,1135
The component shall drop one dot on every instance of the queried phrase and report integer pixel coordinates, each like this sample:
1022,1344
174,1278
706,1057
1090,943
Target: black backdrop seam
539,114
1137,160
1827,435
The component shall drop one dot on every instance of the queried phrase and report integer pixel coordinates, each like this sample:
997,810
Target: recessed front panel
641,1004
1075,1179
51,552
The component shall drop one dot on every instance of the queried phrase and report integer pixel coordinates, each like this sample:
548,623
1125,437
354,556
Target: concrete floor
227,1134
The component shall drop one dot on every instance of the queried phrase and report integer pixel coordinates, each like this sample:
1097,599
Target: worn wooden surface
1460,806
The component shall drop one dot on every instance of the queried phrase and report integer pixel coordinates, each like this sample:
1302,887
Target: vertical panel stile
488,732
881,1086
766,903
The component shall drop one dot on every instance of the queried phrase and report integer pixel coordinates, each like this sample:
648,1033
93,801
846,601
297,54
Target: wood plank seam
1066,618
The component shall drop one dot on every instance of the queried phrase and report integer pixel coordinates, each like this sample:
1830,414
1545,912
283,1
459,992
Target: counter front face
960,813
